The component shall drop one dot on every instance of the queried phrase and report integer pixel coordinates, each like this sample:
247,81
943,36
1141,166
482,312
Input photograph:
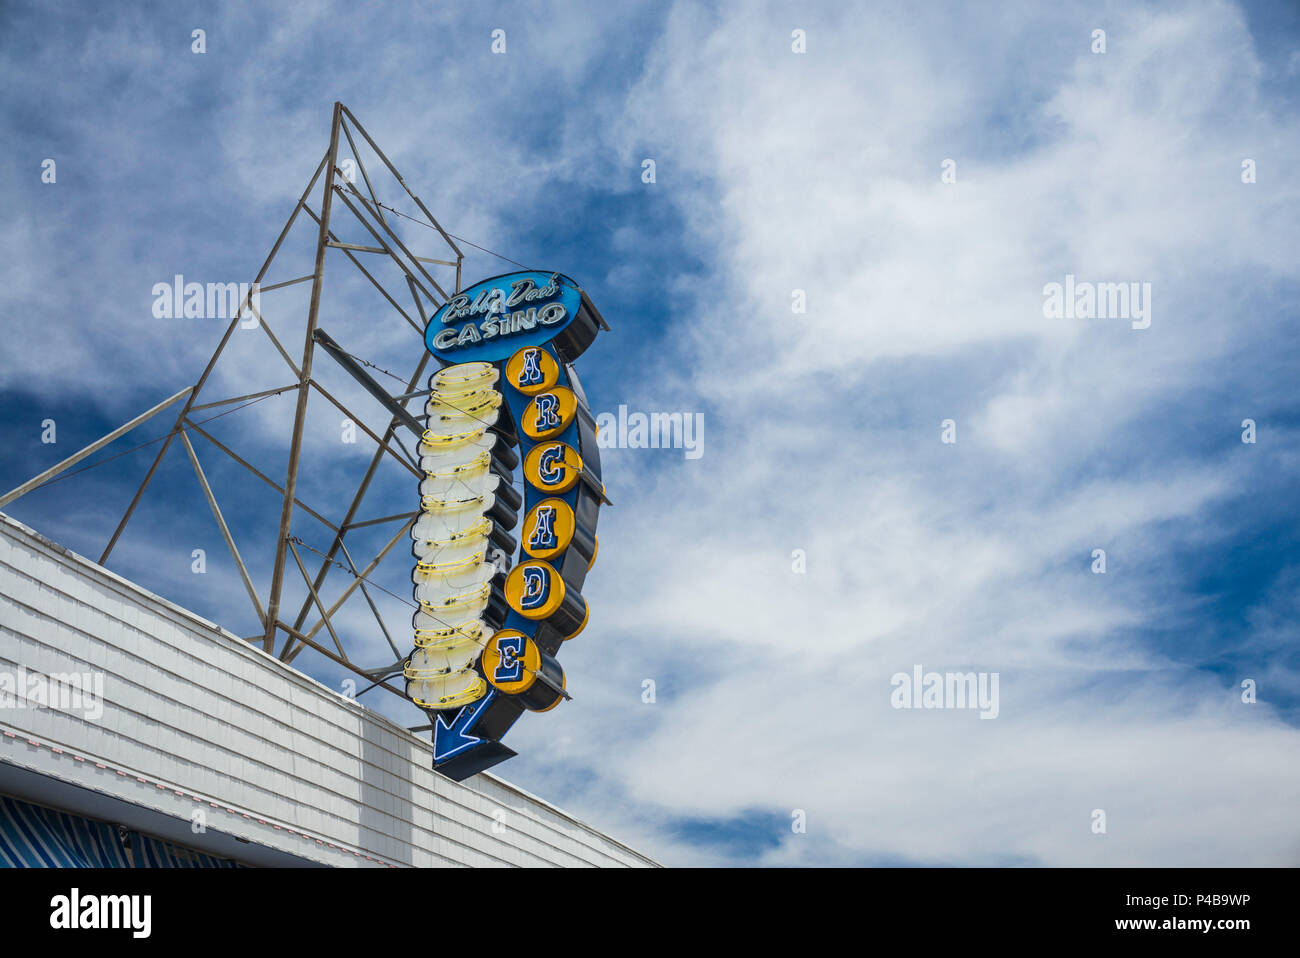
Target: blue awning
35,837
155,853
32,836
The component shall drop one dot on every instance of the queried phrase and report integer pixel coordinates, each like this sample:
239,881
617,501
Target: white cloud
821,172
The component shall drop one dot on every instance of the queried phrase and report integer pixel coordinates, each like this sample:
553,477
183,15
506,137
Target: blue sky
775,171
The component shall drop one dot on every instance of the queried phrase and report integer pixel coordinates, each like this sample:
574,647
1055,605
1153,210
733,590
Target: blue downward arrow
449,740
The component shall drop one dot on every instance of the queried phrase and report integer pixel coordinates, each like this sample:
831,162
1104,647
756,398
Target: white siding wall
212,720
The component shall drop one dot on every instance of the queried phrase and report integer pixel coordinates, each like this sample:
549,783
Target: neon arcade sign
496,604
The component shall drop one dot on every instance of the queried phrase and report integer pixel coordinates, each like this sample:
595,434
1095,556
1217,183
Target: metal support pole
352,586
266,479
98,444
370,602
353,369
374,282
315,598
225,530
300,415
410,465
333,657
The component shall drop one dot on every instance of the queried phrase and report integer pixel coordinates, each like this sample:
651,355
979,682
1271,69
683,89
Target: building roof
199,726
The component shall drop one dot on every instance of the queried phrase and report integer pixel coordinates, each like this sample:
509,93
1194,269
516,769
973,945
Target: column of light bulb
452,575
